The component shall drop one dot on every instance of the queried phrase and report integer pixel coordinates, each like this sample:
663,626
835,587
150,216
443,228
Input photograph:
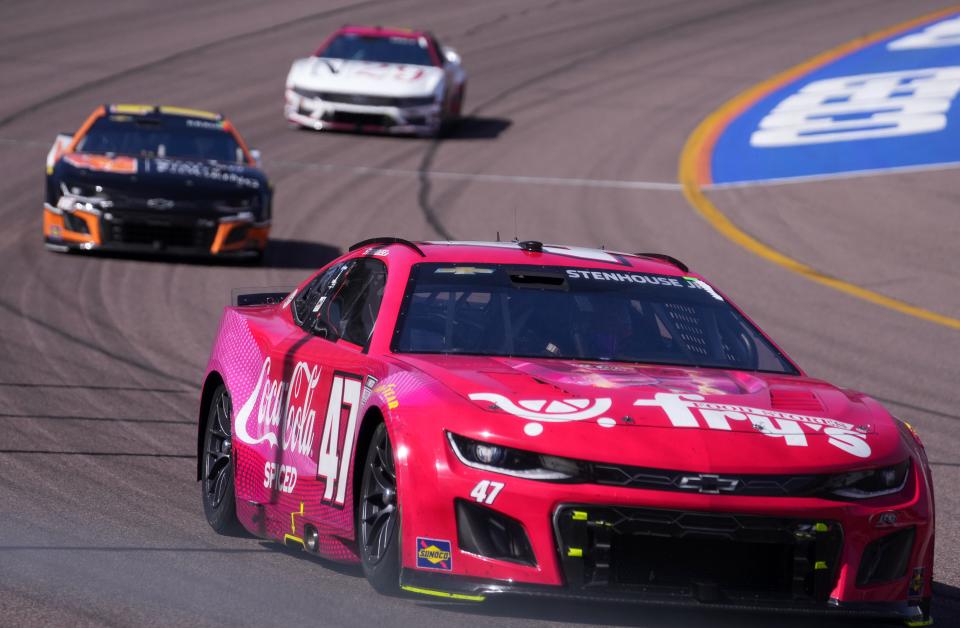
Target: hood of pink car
707,420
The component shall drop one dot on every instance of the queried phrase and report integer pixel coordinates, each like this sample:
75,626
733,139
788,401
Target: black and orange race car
142,178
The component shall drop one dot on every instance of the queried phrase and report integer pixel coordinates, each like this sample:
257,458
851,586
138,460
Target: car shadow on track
282,253
946,613
300,554
946,605
946,608
478,128
466,128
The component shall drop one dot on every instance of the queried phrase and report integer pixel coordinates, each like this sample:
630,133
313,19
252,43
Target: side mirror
257,157
451,56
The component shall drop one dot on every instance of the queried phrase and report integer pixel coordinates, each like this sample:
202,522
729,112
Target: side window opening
305,304
349,309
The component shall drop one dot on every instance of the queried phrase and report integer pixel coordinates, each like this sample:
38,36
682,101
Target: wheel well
209,386
371,420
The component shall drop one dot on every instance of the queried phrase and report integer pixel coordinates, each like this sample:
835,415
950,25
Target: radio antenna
498,236
516,232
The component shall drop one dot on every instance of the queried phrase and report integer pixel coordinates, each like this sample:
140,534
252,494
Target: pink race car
467,419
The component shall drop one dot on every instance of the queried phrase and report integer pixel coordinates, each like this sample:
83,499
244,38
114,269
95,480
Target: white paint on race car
486,491
554,412
361,77
281,478
691,411
684,410
540,411
277,401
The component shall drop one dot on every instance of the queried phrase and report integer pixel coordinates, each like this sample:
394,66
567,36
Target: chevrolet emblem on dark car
160,203
708,483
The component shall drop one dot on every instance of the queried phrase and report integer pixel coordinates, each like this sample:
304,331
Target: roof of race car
527,252
380,31
164,111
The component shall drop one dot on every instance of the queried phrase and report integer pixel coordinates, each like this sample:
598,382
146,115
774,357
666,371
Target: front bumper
147,232
466,589
318,114
817,545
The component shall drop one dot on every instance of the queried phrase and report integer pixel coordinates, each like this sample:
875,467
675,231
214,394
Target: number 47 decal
344,395
486,491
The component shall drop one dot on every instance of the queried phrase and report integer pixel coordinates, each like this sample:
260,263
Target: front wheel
378,516
217,491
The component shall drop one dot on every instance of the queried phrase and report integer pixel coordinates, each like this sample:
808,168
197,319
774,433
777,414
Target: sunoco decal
434,554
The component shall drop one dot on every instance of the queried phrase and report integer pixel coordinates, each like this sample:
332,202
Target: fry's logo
289,401
555,412
687,410
434,554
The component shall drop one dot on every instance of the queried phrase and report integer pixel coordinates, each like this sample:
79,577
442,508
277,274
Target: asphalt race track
578,113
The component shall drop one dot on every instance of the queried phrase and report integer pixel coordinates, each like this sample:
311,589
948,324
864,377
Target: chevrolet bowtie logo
159,203
708,483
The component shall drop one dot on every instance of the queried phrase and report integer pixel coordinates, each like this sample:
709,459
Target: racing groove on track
100,521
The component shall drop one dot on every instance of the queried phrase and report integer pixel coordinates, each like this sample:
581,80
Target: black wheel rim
217,470
378,501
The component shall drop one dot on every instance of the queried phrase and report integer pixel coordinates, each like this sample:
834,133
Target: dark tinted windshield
575,313
159,137
403,50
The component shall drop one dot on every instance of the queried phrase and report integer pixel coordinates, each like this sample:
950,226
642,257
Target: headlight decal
515,462
870,483
851,485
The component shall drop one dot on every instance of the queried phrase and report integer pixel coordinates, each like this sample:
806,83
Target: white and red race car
379,80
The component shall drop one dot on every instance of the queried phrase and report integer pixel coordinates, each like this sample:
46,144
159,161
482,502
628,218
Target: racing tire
216,464
454,115
378,516
456,109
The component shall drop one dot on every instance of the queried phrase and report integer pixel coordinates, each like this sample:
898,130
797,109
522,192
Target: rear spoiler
244,297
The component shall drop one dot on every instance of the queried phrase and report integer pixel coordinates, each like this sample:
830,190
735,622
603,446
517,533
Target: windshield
158,137
402,50
577,313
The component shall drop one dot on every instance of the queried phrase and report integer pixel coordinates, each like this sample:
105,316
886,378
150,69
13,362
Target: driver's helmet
606,325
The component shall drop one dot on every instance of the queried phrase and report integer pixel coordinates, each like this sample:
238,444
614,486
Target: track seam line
694,173
669,186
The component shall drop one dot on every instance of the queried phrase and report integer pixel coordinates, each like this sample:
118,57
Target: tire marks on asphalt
182,54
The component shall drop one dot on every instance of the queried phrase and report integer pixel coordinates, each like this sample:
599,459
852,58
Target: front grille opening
75,223
492,534
886,558
705,556
360,119
701,564
237,234
140,230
